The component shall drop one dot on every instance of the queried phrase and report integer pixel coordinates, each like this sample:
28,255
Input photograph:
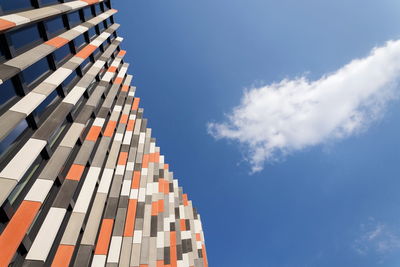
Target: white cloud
278,119
377,238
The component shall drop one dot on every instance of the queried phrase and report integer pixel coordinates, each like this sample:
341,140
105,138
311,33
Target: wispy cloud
278,119
377,238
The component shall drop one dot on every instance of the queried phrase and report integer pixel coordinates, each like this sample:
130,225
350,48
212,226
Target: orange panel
112,69
161,183
63,256
160,263
204,256
161,205
173,249
136,180
75,172
166,166
125,88
183,224
145,162
104,237
198,237
135,104
154,208
121,53
57,42
15,231
131,124
124,118
93,133
157,157
91,2
185,199
86,51
123,157
5,24
118,80
130,218
166,188
109,131
151,157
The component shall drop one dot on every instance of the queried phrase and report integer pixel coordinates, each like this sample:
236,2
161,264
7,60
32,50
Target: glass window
8,142
98,9
14,5
47,102
74,18
36,70
24,36
92,33
96,53
69,79
48,2
85,64
55,25
61,53
79,41
7,92
87,13
101,26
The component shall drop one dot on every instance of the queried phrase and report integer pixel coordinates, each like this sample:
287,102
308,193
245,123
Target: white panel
142,194
186,235
115,247
17,167
149,189
74,96
127,138
48,231
130,166
160,239
162,159
120,169
99,260
134,194
126,188
105,181
144,171
39,190
98,122
132,117
152,147
86,193
142,137
28,103
58,76
107,76
80,28
117,108
18,20
99,64
137,237
75,4
118,137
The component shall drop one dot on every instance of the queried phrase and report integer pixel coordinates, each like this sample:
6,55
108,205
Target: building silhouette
82,181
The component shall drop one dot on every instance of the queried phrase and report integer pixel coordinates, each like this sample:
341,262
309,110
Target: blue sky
334,203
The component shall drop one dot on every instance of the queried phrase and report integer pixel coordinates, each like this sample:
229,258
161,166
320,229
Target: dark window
101,27
15,5
48,2
109,22
92,33
61,53
97,9
55,25
74,18
87,13
85,64
7,143
96,53
7,92
79,41
36,70
69,79
24,36
47,102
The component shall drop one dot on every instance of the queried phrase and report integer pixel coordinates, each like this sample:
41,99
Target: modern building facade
82,181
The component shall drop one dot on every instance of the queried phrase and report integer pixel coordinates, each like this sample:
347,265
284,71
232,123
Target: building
82,181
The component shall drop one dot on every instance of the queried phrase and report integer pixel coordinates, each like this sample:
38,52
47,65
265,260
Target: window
24,36
15,5
62,53
47,102
98,9
85,64
69,79
79,42
92,33
35,71
9,141
96,53
54,26
74,18
48,2
101,26
7,92
87,13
